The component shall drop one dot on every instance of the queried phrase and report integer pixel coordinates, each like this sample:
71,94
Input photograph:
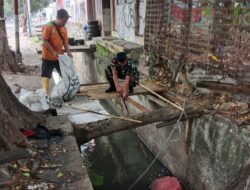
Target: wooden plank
97,92
137,105
81,48
13,155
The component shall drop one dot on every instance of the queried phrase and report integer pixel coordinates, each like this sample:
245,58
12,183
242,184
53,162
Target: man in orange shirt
55,37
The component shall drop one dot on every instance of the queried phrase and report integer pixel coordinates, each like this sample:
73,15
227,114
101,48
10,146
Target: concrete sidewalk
72,159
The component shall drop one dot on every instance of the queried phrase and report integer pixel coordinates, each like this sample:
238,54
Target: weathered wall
80,11
125,15
103,15
85,66
218,150
98,8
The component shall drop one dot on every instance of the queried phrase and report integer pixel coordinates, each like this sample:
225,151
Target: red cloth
29,132
165,183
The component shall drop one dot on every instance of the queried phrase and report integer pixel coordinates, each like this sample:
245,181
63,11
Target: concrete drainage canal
117,161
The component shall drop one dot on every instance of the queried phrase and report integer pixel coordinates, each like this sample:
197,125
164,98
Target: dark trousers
48,67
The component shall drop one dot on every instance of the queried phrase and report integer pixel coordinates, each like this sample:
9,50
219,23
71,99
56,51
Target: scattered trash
5,178
42,144
88,146
41,186
50,176
26,174
41,132
35,167
24,169
35,100
59,174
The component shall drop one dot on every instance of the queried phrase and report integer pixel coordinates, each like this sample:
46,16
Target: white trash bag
35,100
68,85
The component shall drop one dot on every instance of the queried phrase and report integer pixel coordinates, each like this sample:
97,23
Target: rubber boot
45,84
111,87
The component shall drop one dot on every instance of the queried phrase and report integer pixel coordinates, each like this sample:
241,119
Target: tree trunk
13,116
85,132
7,57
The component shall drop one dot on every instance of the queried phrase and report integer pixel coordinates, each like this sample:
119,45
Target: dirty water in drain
116,161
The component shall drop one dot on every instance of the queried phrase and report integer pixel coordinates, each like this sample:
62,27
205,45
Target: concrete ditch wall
218,151
218,148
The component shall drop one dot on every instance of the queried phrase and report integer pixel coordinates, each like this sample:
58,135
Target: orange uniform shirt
50,33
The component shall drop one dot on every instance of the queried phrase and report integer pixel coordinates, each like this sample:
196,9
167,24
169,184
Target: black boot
111,87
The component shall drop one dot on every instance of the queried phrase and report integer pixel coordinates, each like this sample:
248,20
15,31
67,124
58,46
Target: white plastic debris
35,100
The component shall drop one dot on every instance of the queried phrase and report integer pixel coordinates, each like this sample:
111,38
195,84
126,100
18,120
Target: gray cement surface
72,159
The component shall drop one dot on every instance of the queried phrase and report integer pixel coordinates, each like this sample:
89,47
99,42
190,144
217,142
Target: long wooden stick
161,97
113,116
187,134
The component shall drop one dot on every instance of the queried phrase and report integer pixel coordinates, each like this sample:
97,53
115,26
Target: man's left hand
124,95
69,54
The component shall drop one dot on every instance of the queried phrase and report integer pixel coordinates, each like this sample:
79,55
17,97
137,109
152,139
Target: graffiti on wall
127,19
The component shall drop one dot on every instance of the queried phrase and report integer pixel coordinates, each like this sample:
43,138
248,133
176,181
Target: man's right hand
55,54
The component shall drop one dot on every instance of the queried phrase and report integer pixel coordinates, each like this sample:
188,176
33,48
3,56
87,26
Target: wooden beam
85,132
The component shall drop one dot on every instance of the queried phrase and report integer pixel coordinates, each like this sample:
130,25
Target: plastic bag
35,100
68,85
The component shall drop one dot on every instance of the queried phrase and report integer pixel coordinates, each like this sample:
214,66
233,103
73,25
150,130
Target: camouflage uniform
130,69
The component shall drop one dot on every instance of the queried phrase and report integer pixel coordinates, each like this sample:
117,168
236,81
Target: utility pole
17,27
29,17
17,37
